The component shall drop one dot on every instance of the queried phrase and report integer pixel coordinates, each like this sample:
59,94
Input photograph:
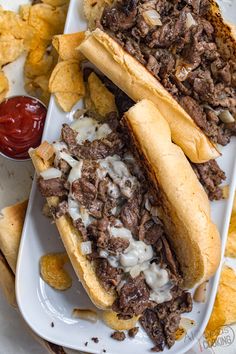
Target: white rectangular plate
40,305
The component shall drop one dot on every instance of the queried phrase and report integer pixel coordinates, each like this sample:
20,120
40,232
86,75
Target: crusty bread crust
138,83
72,240
186,208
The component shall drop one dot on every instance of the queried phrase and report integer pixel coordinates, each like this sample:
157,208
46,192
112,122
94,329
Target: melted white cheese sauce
119,173
89,129
77,211
75,172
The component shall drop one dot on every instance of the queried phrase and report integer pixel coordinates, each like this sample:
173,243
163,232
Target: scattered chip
52,272
4,86
47,20
112,321
45,151
101,97
67,100
67,83
10,48
85,314
93,11
56,3
224,311
66,45
39,61
231,240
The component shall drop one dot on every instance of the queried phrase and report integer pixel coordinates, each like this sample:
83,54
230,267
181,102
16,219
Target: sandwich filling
104,190
174,40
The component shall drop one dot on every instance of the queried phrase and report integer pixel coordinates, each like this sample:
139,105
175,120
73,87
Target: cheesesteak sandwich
132,215
188,48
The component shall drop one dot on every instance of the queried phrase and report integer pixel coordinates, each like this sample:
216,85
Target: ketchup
21,125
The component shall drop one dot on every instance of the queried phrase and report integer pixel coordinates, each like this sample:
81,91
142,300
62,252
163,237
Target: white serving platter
40,305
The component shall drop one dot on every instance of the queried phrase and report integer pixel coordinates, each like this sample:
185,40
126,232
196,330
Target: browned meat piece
100,149
79,225
170,258
168,33
210,176
64,167
133,49
117,244
60,210
221,71
161,322
109,276
153,327
153,66
195,111
112,120
97,231
130,212
54,187
68,135
133,331
122,16
84,191
203,85
133,298
150,231
117,335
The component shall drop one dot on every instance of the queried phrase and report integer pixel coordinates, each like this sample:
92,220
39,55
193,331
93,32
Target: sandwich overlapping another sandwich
188,66
132,215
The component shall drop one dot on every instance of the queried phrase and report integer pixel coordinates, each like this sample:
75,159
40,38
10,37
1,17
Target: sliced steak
133,298
68,135
60,210
118,335
133,331
100,149
210,176
109,276
117,244
54,187
98,232
130,212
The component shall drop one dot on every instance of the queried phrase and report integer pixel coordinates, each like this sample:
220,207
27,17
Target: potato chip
24,12
112,321
38,87
67,100
4,86
12,24
231,240
102,98
10,48
56,3
224,311
52,272
66,45
93,10
67,77
39,61
46,20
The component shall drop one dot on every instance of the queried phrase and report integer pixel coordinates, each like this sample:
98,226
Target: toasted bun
134,79
72,240
186,209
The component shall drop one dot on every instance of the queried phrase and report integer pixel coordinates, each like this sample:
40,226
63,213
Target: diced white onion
226,117
148,204
190,20
86,247
182,70
66,157
50,173
152,18
155,211
75,172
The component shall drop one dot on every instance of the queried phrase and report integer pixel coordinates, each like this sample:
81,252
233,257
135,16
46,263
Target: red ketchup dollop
21,125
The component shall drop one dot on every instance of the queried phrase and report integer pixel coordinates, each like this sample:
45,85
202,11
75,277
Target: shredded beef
100,149
162,321
98,232
133,298
60,210
64,167
54,187
68,135
133,331
163,49
79,225
109,276
150,231
118,335
170,258
117,244
211,176
130,212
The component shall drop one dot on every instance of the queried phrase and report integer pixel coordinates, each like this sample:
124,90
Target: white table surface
15,182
